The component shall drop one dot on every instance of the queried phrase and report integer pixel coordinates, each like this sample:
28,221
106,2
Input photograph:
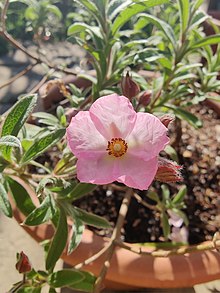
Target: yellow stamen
117,147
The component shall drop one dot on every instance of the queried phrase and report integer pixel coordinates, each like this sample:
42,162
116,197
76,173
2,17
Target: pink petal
101,170
137,173
83,138
148,137
113,116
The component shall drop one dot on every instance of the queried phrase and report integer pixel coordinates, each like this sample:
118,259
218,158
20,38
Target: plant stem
116,235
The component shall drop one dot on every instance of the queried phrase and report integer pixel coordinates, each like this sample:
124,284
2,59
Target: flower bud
145,98
168,171
129,87
23,264
167,119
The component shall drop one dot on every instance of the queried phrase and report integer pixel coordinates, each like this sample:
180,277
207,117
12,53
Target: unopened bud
145,98
167,119
168,171
23,264
129,87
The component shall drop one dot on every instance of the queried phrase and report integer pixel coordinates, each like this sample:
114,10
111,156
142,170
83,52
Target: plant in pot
112,146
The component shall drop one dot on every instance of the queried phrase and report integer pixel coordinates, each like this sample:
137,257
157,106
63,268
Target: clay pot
130,270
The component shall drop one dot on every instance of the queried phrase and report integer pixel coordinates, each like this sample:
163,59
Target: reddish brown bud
145,98
129,87
168,171
23,264
167,119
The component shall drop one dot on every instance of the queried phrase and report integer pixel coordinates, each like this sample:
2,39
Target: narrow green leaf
58,242
6,144
182,215
43,213
197,4
180,195
87,285
165,192
184,6
20,196
132,10
183,114
64,278
183,77
210,40
5,205
77,232
42,144
172,153
153,196
90,219
10,140
18,115
165,224
163,26
80,190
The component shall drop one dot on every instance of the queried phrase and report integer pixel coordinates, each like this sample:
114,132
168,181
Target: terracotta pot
130,270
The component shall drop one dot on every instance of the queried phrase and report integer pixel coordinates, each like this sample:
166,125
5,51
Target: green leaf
172,153
184,6
10,140
65,278
180,195
153,196
183,114
18,115
90,219
80,190
165,193
29,289
163,26
182,215
58,242
197,4
5,205
165,224
77,232
54,10
43,213
87,285
210,40
20,196
132,10
6,143
42,144
183,77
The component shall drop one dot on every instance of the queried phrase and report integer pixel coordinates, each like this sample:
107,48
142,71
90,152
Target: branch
173,251
3,16
18,75
116,235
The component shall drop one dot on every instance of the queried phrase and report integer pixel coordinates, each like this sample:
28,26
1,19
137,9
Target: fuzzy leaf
42,144
132,10
43,213
77,232
20,196
90,219
5,205
18,115
58,242
64,278
80,190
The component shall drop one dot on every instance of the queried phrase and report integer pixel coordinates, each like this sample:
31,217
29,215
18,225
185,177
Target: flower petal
113,116
148,137
137,173
100,170
83,138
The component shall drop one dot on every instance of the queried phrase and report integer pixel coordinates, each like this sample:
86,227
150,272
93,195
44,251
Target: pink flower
114,143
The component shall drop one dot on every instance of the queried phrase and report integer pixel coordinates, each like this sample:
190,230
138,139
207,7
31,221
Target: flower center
117,147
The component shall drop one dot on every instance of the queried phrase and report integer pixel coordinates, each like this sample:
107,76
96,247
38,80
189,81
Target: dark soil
199,153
